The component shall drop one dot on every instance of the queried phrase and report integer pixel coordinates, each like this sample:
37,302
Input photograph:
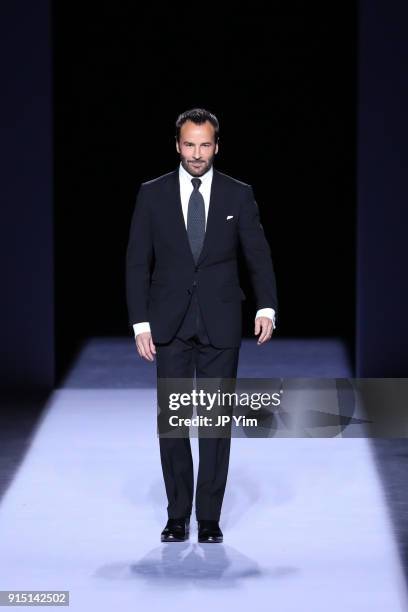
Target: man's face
197,147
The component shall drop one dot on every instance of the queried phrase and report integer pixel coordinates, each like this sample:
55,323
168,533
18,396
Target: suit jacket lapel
214,211
177,219
214,215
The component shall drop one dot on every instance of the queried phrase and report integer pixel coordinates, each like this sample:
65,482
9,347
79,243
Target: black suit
194,310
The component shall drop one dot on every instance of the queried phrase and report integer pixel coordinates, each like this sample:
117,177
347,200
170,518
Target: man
186,308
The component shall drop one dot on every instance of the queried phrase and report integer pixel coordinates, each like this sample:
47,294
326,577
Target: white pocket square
229,217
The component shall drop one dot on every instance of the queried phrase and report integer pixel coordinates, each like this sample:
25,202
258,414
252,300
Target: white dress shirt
186,187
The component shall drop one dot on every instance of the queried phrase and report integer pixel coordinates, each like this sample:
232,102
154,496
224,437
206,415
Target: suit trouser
191,351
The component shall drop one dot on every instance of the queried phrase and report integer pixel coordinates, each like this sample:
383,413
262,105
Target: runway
305,521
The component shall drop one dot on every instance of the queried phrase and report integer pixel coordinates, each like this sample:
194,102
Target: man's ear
216,149
177,146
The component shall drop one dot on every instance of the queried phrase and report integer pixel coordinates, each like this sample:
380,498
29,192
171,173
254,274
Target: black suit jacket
160,268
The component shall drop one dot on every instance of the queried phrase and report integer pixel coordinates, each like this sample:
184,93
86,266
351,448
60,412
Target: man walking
184,300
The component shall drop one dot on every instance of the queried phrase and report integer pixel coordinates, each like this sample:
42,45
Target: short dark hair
198,115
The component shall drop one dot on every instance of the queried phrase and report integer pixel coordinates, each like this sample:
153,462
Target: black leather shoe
209,532
176,530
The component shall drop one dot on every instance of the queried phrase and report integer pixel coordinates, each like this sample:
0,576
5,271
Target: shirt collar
186,176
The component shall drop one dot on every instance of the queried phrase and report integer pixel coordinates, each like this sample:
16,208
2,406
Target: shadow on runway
182,564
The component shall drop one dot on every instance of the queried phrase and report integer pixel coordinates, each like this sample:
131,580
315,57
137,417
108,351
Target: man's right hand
145,346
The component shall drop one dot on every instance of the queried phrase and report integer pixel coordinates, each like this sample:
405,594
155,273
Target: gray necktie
196,219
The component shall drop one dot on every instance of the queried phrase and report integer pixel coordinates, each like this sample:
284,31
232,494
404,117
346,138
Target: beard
199,170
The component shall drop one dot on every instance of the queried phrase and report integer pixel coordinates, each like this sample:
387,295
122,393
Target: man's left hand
265,326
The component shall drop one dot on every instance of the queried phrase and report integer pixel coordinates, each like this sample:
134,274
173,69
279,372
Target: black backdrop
281,77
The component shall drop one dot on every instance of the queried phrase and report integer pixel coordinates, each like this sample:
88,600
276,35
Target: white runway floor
305,524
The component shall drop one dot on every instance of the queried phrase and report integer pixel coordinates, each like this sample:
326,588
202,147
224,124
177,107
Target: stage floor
305,521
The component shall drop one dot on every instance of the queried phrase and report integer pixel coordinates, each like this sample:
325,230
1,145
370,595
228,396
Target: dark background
281,78
312,101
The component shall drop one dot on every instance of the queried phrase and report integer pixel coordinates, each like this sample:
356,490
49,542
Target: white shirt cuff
267,312
139,328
